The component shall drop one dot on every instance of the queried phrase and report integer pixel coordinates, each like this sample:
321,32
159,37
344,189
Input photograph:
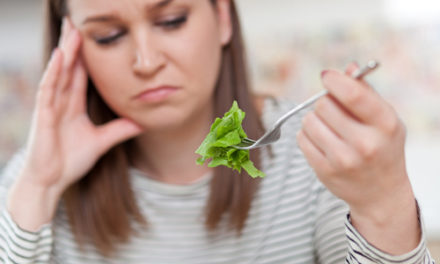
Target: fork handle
358,74
300,107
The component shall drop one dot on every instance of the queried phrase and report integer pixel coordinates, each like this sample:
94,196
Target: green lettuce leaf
217,146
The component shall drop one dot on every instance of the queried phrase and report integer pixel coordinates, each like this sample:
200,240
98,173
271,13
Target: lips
155,95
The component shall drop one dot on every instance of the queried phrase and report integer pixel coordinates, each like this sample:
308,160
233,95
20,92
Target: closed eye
167,24
110,39
173,23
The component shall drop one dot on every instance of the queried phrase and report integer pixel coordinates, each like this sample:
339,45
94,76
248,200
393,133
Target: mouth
157,94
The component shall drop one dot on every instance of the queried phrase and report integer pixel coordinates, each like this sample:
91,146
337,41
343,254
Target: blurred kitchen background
289,43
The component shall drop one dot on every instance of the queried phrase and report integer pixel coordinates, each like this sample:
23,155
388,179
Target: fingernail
323,73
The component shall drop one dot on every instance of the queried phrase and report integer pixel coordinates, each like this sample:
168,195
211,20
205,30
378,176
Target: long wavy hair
93,219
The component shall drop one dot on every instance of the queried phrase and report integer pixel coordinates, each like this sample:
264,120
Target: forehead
80,9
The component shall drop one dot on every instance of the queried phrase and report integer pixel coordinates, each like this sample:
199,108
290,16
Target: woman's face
154,61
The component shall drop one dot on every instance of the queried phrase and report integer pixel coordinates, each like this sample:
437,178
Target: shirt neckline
141,180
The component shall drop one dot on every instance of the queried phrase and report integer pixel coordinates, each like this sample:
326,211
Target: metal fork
274,134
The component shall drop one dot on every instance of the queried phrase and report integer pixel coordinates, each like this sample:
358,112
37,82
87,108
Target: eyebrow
107,18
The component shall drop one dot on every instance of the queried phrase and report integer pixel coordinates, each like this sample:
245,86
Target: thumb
351,68
117,131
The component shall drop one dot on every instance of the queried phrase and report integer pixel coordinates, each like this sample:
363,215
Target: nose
149,59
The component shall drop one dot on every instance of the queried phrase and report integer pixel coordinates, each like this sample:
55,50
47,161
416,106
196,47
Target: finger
64,32
307,124
339,154
351,68
333,114
78,96
365,104
323,137
71,49
116,132
50,79
69,45
314,156
358,137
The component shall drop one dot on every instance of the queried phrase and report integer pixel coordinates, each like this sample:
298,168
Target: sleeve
337,240
360,251
16,244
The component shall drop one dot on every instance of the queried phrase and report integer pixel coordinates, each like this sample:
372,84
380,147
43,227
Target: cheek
198,55
105,69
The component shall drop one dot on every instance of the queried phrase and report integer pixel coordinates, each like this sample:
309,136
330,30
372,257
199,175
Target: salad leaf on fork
218,145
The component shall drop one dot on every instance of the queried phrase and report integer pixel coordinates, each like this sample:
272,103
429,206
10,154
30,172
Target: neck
169,155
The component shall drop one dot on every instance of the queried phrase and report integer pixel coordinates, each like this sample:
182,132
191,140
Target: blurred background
289,43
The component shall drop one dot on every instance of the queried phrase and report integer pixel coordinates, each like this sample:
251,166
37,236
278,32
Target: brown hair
96,220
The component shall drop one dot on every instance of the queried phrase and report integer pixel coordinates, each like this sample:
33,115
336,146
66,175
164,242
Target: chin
166,117
161,122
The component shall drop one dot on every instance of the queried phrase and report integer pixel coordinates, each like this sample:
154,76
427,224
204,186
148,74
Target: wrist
391,225
383,209
31,205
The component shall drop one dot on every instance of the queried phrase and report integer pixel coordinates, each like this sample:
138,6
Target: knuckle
330,171
368,146
354,97
392,126
345,162
368,149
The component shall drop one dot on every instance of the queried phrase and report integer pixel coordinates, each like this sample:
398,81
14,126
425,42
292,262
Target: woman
113,178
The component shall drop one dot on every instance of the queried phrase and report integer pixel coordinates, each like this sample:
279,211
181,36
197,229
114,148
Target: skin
355,142
148,55
63,145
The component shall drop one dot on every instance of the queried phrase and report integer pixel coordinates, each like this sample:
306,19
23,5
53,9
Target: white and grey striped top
293,219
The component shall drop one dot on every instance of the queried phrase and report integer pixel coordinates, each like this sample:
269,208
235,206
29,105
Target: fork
274,134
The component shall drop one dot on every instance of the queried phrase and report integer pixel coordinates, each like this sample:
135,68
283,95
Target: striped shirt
293,219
